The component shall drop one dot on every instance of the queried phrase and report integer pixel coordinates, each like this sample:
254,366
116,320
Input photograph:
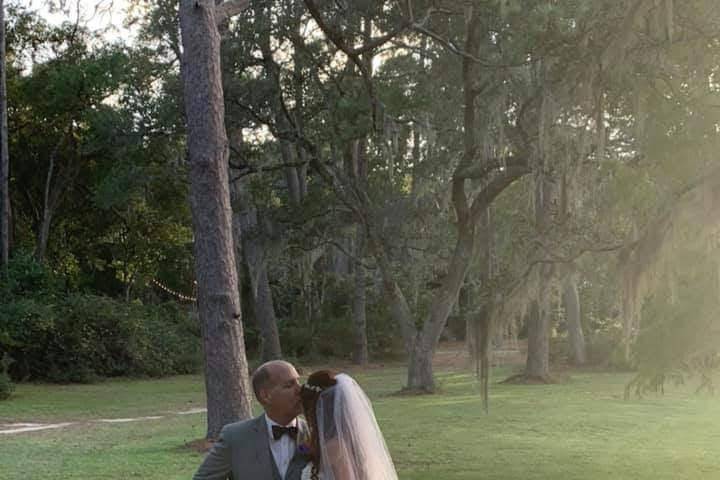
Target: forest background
395,174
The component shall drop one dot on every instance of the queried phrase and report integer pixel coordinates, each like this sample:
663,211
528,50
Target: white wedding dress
307,473
351,444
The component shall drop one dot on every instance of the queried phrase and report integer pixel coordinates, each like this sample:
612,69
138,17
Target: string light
173,292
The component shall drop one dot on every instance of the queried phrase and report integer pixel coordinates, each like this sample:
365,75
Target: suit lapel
296,466
299,460
263,454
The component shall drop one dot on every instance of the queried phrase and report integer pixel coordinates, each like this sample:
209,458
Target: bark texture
539,317
538,358
226,370
571,301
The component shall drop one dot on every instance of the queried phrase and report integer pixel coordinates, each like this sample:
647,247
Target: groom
265,447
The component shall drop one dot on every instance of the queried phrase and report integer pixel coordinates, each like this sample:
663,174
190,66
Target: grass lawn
579,430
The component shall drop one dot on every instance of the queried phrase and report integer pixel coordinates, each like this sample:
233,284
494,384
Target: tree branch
480,171
246,169
230,8
483,199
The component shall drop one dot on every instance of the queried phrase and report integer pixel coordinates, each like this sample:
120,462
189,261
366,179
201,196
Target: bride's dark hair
309,394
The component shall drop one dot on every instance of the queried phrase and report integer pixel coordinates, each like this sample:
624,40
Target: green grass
111,399
579,430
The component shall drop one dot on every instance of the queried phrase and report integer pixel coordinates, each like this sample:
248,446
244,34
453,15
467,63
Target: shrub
60,336
605,348
84,337
6,386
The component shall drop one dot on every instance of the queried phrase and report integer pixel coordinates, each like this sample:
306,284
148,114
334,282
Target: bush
84,337
605,349
6,386
60,336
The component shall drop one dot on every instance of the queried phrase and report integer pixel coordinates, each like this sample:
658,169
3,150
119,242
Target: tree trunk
571,301
420,373
483,335
51,198
265,314
360,344
357,171
4,154
249,239
46,215
226,370
255,256
43,234
420,370
338,260
538,356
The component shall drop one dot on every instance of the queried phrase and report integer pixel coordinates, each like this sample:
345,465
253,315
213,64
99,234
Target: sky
95,14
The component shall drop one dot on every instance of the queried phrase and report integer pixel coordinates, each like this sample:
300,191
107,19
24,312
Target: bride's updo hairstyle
310,392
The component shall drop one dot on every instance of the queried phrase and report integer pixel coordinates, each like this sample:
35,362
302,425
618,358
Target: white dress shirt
282,449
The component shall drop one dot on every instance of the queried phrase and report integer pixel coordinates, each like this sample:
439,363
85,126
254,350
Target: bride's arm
340,464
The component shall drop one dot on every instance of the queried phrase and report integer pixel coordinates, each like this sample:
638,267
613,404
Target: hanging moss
662,275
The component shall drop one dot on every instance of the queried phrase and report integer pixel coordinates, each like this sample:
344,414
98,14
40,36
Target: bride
345,440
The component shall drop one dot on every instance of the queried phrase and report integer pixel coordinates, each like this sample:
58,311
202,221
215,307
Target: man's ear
265,396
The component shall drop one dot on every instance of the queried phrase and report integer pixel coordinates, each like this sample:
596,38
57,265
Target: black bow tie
279,431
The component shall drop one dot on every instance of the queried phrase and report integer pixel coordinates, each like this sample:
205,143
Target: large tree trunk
571,301
4,155
226,370
420,371
538,356
420,376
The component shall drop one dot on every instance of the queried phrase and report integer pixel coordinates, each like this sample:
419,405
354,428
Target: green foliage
604,348
679,339
6,386
61,336
330,334
98,125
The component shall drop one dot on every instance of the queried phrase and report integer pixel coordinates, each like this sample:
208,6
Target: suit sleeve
218,462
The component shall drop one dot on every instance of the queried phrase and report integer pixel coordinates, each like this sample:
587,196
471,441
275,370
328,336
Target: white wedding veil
351,444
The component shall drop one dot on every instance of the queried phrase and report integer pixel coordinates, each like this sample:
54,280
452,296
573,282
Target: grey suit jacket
243,453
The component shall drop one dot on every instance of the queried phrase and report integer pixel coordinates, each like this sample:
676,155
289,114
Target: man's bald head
262,377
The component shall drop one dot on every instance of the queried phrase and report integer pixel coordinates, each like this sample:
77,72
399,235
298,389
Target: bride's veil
351,444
